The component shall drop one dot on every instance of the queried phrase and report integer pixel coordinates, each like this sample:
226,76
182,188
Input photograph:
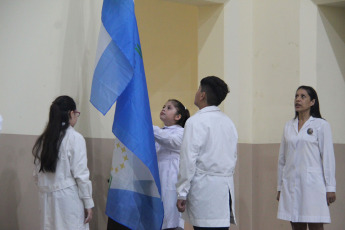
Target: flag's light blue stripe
121,24
112,74
138,212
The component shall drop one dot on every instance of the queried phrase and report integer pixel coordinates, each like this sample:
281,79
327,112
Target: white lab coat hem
305,219
220,223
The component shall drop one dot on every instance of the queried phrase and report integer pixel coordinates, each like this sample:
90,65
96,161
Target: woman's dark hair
46,148
215,88
315,109
181,109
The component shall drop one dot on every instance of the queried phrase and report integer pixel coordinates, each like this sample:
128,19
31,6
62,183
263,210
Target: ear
203,96
312,102
178,117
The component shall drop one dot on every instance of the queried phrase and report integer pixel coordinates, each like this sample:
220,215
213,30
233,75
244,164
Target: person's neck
303,116
202,105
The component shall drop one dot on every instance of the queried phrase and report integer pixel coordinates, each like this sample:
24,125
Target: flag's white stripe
129,173
103,41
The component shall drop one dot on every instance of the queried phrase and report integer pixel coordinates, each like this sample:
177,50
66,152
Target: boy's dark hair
215,88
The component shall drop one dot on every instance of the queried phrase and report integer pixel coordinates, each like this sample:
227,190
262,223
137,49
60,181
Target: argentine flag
134,198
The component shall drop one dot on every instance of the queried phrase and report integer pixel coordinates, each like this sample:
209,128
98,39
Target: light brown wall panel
255,185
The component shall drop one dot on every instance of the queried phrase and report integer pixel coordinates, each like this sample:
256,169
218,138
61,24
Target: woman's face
303,102
73,117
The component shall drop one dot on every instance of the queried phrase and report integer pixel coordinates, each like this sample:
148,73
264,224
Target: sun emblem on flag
120,164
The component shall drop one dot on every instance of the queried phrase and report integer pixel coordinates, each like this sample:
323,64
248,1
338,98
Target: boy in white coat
205,186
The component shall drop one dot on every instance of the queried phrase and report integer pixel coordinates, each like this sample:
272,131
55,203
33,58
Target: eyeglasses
77,113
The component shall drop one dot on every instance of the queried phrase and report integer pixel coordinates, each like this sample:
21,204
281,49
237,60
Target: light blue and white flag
134,198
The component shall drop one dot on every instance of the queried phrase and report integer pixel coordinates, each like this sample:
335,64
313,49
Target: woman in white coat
61,173
168,143
306,166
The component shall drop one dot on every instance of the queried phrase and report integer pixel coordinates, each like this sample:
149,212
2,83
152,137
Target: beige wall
331,67
264,49
169,34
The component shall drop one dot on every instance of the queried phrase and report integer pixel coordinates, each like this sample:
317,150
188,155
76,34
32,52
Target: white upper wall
263,49
48,49
275,67
238,66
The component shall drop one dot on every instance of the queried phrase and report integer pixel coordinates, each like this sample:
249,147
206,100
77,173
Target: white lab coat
306,171
65,194
168,145
207,165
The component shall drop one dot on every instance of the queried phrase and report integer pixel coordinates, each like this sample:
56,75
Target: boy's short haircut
215,88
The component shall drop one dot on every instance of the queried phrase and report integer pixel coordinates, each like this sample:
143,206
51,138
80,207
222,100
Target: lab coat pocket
315,178
311,136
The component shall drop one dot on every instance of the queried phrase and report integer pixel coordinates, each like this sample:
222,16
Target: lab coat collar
211,108
171,127
305,125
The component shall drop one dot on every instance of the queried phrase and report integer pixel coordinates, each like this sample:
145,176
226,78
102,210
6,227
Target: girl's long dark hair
181,109
46,148
315,109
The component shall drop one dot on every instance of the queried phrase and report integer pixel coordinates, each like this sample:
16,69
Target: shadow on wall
333,20
210,15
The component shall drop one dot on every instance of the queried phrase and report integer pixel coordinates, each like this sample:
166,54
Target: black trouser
113,225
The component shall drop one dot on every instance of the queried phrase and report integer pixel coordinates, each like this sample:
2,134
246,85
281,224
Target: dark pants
113,225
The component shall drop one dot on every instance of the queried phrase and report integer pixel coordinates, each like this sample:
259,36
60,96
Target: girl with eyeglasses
61,173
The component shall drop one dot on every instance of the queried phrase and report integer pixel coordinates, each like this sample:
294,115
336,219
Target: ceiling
337,3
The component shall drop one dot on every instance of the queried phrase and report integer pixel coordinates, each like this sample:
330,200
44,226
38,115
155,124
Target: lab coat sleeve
193,138
79,170
327,154
167,138
281,161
